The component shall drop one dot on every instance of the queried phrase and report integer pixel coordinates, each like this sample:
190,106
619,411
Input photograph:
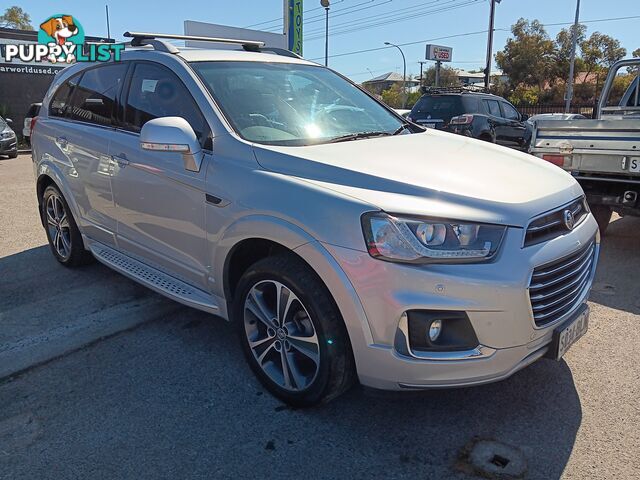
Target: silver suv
344,242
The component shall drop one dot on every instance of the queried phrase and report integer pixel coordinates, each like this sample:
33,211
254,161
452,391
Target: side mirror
524,117
173,134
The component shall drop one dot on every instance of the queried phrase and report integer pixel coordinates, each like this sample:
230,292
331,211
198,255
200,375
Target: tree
393,97
448,76
15,17
529,57
600,51
564,41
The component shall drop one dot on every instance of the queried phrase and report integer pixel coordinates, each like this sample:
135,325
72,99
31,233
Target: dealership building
24,83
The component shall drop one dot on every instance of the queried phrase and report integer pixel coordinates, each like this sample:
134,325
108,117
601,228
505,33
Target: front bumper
493,295
8,146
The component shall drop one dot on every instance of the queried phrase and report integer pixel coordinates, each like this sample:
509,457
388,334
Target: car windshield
439,107
292,104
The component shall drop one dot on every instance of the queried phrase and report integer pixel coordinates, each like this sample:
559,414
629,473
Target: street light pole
404,76
421,71
326,4
487,70
574,41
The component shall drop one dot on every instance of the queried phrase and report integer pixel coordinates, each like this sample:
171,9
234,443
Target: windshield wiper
358,136
402,128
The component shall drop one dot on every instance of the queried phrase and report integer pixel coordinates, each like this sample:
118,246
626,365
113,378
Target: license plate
634,164
569,333
430,125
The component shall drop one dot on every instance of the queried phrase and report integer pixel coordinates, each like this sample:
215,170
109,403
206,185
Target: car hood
433,174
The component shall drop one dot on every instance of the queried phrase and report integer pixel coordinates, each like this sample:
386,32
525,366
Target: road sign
439,53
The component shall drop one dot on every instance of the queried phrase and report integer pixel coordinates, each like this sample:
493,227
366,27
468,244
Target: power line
389,14
466,34
396,19
279,19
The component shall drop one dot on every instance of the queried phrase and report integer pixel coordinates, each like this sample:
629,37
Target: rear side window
94,98
60,102
493,107
157,92
510,112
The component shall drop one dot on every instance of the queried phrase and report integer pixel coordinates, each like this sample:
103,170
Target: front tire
292,333
64,237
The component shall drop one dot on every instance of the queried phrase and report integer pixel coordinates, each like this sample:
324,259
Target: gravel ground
173,397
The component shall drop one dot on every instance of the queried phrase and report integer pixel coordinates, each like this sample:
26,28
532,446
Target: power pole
421,64
326,5
106,8
438,65
574,41
487,70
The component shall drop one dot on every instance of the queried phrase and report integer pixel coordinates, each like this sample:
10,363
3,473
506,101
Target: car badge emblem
569,219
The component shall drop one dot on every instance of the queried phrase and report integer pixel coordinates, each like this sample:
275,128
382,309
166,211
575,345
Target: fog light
434,330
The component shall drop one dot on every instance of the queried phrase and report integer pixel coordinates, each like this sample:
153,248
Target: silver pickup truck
602,154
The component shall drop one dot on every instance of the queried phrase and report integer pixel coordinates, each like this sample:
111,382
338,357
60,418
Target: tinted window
292,104
60,102
494,108
33,111
157,92
471,104
510,112
93,100
439,107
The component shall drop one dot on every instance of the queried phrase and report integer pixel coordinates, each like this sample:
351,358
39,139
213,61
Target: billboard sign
439,53
294,25
203,29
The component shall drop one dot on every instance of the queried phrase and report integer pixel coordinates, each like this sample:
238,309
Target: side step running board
154,279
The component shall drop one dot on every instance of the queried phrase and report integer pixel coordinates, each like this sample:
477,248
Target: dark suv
473,114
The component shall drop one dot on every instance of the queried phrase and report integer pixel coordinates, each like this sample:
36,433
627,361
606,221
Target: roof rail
459,89
146,38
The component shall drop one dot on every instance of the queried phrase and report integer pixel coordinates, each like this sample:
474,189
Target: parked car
343,241
473,114
555,116
8,140
30,119
602,154
403,112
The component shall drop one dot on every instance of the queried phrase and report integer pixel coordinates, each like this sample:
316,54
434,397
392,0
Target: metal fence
586,110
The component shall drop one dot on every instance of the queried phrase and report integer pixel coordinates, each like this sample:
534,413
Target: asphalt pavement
170,395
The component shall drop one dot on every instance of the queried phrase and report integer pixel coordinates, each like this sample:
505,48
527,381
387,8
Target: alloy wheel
58,226
281,335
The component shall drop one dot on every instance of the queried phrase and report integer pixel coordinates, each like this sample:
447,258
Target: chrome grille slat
564,266
551,225
545,306
565,282
562,278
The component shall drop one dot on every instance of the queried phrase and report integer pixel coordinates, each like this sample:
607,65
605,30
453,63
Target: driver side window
157,92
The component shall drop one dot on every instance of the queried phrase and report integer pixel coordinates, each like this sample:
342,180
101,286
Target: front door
160,205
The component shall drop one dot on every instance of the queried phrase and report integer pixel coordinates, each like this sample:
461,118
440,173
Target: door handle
121,161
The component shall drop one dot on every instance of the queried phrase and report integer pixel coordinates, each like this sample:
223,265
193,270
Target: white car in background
555,116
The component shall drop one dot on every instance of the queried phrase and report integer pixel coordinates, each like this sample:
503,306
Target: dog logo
64,32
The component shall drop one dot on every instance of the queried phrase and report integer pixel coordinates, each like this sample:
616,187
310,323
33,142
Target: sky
361,25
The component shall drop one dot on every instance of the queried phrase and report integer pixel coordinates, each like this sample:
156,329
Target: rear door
499,124
79,127
160,205
516,128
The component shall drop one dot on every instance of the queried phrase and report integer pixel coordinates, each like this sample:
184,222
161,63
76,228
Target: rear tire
298,347
13,155
63,234
602,214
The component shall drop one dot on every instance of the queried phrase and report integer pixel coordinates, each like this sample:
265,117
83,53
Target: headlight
429,241
8,134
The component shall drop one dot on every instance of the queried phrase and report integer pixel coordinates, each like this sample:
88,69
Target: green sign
295,26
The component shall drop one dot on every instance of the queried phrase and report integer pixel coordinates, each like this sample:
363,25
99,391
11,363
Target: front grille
553,224
556,287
